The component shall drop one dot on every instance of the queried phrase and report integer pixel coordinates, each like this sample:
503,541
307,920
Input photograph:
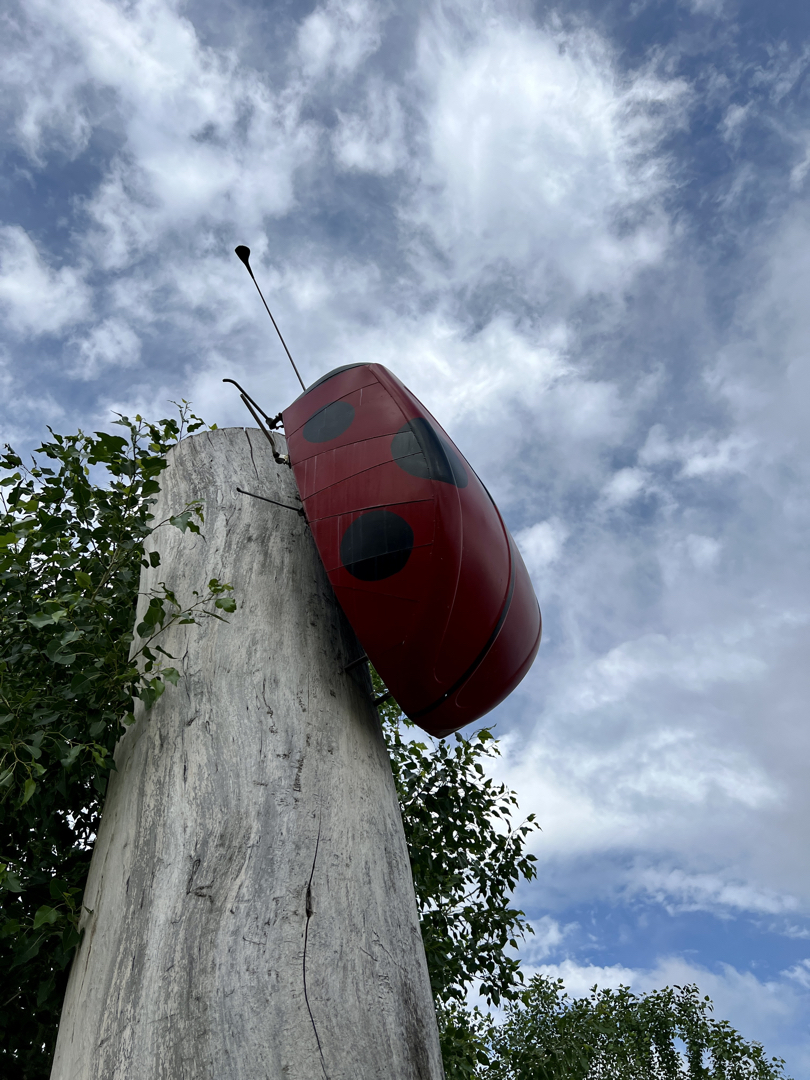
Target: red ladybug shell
417,552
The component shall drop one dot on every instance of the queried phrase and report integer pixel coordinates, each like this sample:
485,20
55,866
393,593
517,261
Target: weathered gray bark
252,906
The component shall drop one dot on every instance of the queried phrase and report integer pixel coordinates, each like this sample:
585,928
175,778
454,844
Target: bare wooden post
252,910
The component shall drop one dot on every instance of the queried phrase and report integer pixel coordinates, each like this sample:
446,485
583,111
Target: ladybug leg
298,509
278,458
272,421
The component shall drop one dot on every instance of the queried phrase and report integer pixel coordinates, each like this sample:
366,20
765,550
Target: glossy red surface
416,550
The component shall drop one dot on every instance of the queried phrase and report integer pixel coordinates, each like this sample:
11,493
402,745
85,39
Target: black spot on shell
421,451
376,545
329,422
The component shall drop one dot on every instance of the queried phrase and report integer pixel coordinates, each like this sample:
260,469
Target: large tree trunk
251,905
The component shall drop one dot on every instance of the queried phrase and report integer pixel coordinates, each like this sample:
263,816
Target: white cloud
36,298
541,544
338,36
762,373
624,486
54,118
372,139
203,138
733,123
798,173
29,405
699,456
579,978
549,935
713,8
691,661
541,157
677,891
6,377
800,933
800,973
595,789
704,551
111,343
657,748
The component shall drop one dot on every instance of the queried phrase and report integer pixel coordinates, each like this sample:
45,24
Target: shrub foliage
72,531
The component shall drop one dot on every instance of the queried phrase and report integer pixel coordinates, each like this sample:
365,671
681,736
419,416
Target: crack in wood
310,912
195,866
250,447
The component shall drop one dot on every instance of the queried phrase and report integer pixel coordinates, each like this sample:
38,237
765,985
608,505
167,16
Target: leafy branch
73,528
466,857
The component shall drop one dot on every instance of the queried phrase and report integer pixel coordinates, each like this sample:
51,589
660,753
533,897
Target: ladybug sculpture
415,548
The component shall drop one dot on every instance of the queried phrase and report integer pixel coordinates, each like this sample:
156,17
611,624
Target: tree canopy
667,1034
72,530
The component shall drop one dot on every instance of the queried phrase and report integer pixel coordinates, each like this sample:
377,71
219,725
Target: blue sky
581,235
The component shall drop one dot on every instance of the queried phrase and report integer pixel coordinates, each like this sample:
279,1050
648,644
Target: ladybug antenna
244,254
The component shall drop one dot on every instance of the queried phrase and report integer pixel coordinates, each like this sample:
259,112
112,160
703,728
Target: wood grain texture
252,906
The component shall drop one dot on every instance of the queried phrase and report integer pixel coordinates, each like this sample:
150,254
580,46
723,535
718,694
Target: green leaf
28,954
65,658
29,789
12,882
184,521
82,681
225,603
45,914
113,446
151,692
5,718
45,990
54,652
83,580
154,614
42,619
71,756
